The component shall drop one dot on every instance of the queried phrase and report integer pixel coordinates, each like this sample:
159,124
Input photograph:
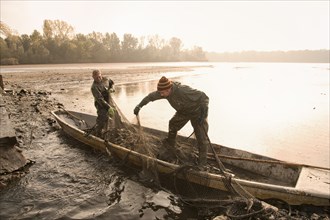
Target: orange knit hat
164,84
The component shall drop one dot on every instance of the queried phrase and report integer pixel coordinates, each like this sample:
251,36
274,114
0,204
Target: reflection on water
279,110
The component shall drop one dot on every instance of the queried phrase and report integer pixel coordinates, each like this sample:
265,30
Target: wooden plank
314,180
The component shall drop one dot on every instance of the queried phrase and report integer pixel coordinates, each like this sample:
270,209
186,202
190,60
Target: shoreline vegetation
58,44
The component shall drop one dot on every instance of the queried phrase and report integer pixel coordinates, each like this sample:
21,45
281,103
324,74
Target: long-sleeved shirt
100,93
183,99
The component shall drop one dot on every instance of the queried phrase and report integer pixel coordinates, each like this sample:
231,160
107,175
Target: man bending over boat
100,90
190,105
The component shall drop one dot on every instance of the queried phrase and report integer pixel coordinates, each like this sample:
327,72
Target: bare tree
6,31
58,29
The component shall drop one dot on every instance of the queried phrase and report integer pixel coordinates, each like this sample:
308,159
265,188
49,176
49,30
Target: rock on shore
29,112
11,158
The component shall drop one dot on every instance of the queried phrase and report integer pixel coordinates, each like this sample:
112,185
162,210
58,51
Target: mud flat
29,98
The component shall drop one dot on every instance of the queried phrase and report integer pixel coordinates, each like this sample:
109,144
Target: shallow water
279,110
276,109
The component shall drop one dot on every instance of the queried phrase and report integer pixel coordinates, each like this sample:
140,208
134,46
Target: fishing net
132,136
234,200
120,131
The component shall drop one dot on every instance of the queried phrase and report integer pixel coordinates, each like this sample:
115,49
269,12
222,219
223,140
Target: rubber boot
171,138
170,141
202,156
97,130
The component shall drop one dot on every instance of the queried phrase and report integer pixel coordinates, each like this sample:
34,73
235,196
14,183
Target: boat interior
242,164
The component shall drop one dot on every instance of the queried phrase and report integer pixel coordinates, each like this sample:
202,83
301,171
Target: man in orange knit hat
190,105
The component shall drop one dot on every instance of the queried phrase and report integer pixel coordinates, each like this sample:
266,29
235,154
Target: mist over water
275,109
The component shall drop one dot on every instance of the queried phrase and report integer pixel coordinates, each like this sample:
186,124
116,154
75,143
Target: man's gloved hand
111,83
137,109
203,114
111,112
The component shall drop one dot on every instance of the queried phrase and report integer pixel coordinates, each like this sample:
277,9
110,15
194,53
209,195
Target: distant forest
59,44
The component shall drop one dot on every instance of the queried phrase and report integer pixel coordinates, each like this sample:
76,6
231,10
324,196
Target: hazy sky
214,25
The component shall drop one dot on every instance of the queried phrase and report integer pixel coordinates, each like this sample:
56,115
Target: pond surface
276,109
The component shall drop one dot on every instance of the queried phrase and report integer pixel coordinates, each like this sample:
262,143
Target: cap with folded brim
164,84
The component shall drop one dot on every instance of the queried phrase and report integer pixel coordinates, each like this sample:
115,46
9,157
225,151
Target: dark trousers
179,120
101,121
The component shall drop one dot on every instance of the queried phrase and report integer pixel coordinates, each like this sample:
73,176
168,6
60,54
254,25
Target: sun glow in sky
217,26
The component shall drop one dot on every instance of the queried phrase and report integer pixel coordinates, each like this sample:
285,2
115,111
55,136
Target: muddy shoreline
30,98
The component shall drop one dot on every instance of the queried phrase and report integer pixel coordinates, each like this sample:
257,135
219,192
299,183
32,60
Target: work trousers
101,121
179,120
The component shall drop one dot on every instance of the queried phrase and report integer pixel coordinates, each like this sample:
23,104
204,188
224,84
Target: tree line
59,44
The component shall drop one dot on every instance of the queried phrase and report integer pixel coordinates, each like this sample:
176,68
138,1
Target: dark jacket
100,93
184,99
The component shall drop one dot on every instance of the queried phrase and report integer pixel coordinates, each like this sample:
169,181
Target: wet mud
69,180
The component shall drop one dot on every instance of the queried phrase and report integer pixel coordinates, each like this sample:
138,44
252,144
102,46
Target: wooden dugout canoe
262,177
